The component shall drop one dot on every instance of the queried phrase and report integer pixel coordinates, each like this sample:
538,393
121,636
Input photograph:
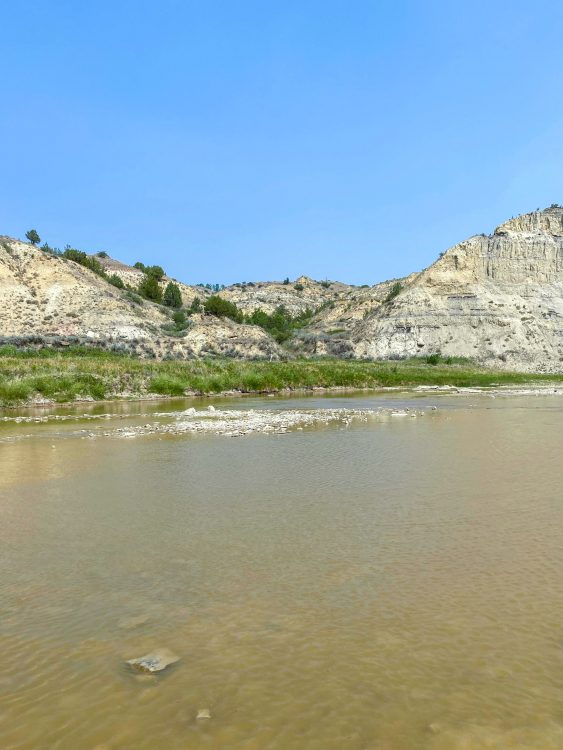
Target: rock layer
497,299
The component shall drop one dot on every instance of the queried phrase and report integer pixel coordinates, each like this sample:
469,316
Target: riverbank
73,374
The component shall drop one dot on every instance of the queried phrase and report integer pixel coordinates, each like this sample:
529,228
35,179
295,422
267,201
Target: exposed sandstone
497,299
59,301
296,296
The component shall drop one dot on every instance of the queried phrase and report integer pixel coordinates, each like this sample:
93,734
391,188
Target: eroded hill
46,299
496,299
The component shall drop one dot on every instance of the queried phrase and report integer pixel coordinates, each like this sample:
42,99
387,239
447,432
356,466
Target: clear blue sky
255,139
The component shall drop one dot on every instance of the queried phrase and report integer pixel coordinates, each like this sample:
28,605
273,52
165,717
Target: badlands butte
496,299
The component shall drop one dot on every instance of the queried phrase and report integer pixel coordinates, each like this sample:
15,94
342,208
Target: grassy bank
66,375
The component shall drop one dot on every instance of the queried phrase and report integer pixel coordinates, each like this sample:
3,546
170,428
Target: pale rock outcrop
57,301
296,296
497,299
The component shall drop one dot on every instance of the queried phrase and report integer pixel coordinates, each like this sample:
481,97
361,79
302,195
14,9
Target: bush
286,280
150,289
180,319
280,324
196,306
213,287
179,326
156,271
116,281
82,258
103,254
48,249
396,289
299,287
130,295
172,296
222,308
140,266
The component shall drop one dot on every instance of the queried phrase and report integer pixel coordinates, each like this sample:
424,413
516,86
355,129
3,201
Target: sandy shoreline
506,390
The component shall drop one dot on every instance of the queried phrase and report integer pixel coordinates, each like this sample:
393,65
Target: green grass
63,375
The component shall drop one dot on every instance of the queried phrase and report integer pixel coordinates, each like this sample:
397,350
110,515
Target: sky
251,140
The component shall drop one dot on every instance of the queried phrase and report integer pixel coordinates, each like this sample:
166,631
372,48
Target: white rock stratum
497,299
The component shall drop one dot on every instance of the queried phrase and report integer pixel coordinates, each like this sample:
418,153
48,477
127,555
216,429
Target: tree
140,266
156,271
150,289
172,296
33,237
88,261
222,308
196,305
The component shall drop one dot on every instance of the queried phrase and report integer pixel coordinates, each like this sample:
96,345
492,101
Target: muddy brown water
393,585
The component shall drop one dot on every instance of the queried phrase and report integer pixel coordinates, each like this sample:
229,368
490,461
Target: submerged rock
203,713
155,661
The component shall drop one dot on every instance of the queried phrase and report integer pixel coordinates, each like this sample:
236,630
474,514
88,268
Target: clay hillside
48,300
497,299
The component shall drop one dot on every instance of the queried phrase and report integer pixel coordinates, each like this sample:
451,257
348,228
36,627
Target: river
376,584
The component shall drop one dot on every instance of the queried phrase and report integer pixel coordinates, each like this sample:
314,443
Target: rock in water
155,661
203,713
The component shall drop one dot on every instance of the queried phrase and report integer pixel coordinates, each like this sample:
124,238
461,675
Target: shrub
102,254
82,258
180,319
156,271
150,289
140,266
299,287
280,324
196,306
116,281
286,280
396,289
214,287
130,295
172,296
222,308
33,237
48,249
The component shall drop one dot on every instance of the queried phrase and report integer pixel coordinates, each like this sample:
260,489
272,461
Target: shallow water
391,585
